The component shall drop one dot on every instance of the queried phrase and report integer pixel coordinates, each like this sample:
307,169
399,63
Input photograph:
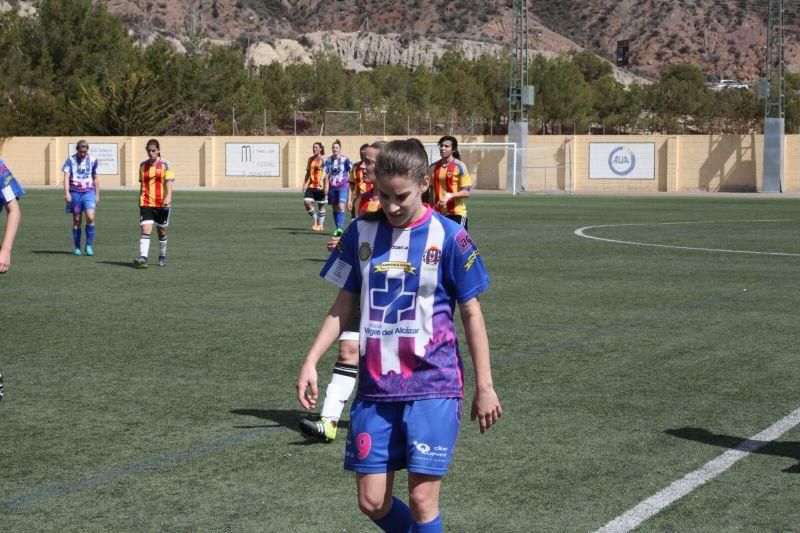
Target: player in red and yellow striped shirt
450,182
356,181
315,188
155,199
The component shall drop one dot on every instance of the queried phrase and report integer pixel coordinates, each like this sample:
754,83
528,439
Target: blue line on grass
103,478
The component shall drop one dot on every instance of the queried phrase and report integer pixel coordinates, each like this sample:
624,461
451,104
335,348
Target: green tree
591,66
126,107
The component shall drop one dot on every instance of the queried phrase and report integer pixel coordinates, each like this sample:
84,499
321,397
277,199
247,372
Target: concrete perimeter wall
682,163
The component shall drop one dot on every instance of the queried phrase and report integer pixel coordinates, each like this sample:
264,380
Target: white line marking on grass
581,232
654,504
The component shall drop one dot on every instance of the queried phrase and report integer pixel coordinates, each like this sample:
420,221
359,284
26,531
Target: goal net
342,123
491,166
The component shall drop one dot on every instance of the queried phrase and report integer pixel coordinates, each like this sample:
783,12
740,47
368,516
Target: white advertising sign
630,161
107,156
253,159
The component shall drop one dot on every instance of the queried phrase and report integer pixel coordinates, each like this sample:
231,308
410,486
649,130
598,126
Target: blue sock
89,234
76,236
434,526
338,216
398,519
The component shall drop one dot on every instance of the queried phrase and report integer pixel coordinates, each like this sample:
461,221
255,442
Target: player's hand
331,244
5,261
350,205
486,408
167,202
68,197
306,386
97,197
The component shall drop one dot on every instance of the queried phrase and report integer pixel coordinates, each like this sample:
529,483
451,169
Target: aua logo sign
621,161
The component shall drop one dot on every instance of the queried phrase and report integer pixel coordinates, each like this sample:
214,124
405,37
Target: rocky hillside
725,38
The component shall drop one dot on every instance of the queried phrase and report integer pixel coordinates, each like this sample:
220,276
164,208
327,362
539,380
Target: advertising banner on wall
253,159
107,156
631,161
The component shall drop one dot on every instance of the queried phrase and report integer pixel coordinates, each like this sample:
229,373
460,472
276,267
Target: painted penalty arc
582,232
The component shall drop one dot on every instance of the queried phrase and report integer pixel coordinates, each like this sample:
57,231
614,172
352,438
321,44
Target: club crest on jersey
364,251
432,256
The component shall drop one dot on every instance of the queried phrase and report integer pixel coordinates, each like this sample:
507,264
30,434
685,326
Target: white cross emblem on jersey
393,301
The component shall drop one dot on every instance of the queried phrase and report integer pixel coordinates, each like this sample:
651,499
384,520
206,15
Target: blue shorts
81,201
418,435
337,196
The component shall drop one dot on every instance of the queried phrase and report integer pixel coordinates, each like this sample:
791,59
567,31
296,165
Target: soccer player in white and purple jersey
82,193
336,172
408,267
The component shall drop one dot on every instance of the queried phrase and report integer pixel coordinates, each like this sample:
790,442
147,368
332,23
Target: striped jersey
82,172
153,179
10,189
409,280
366,202
314,172
357,179
338,171
449,178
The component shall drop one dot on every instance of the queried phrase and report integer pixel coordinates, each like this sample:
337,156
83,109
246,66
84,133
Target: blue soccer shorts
81,201
337,196
418,435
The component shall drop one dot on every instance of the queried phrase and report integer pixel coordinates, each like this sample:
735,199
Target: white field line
654,504
581,232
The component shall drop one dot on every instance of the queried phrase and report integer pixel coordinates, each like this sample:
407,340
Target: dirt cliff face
725,39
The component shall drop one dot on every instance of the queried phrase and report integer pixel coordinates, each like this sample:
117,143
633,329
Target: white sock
338,392
144,245
321,218
162,247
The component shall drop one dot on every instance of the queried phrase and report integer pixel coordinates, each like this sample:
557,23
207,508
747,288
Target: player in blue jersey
82,193
407,267
336,175
10,191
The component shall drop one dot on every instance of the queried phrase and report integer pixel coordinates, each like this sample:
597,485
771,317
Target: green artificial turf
163,399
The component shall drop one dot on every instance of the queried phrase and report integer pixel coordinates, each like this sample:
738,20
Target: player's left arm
96,182
485,404
168,197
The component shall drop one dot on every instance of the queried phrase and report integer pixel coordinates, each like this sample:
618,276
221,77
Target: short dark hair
401,157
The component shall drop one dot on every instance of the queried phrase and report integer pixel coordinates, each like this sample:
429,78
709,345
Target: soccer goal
342,123
491,166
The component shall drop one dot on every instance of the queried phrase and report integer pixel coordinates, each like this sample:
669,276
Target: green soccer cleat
322,429
140,262
338,232
89,250
77,251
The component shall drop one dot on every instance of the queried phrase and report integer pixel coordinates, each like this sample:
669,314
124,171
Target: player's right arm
12,223
67,195
336,320
307,179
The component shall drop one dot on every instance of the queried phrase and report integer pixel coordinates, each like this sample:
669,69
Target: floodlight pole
520,94
774,125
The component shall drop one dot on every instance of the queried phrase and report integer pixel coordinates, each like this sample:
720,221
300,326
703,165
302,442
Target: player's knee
375,506
424,502
348,352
